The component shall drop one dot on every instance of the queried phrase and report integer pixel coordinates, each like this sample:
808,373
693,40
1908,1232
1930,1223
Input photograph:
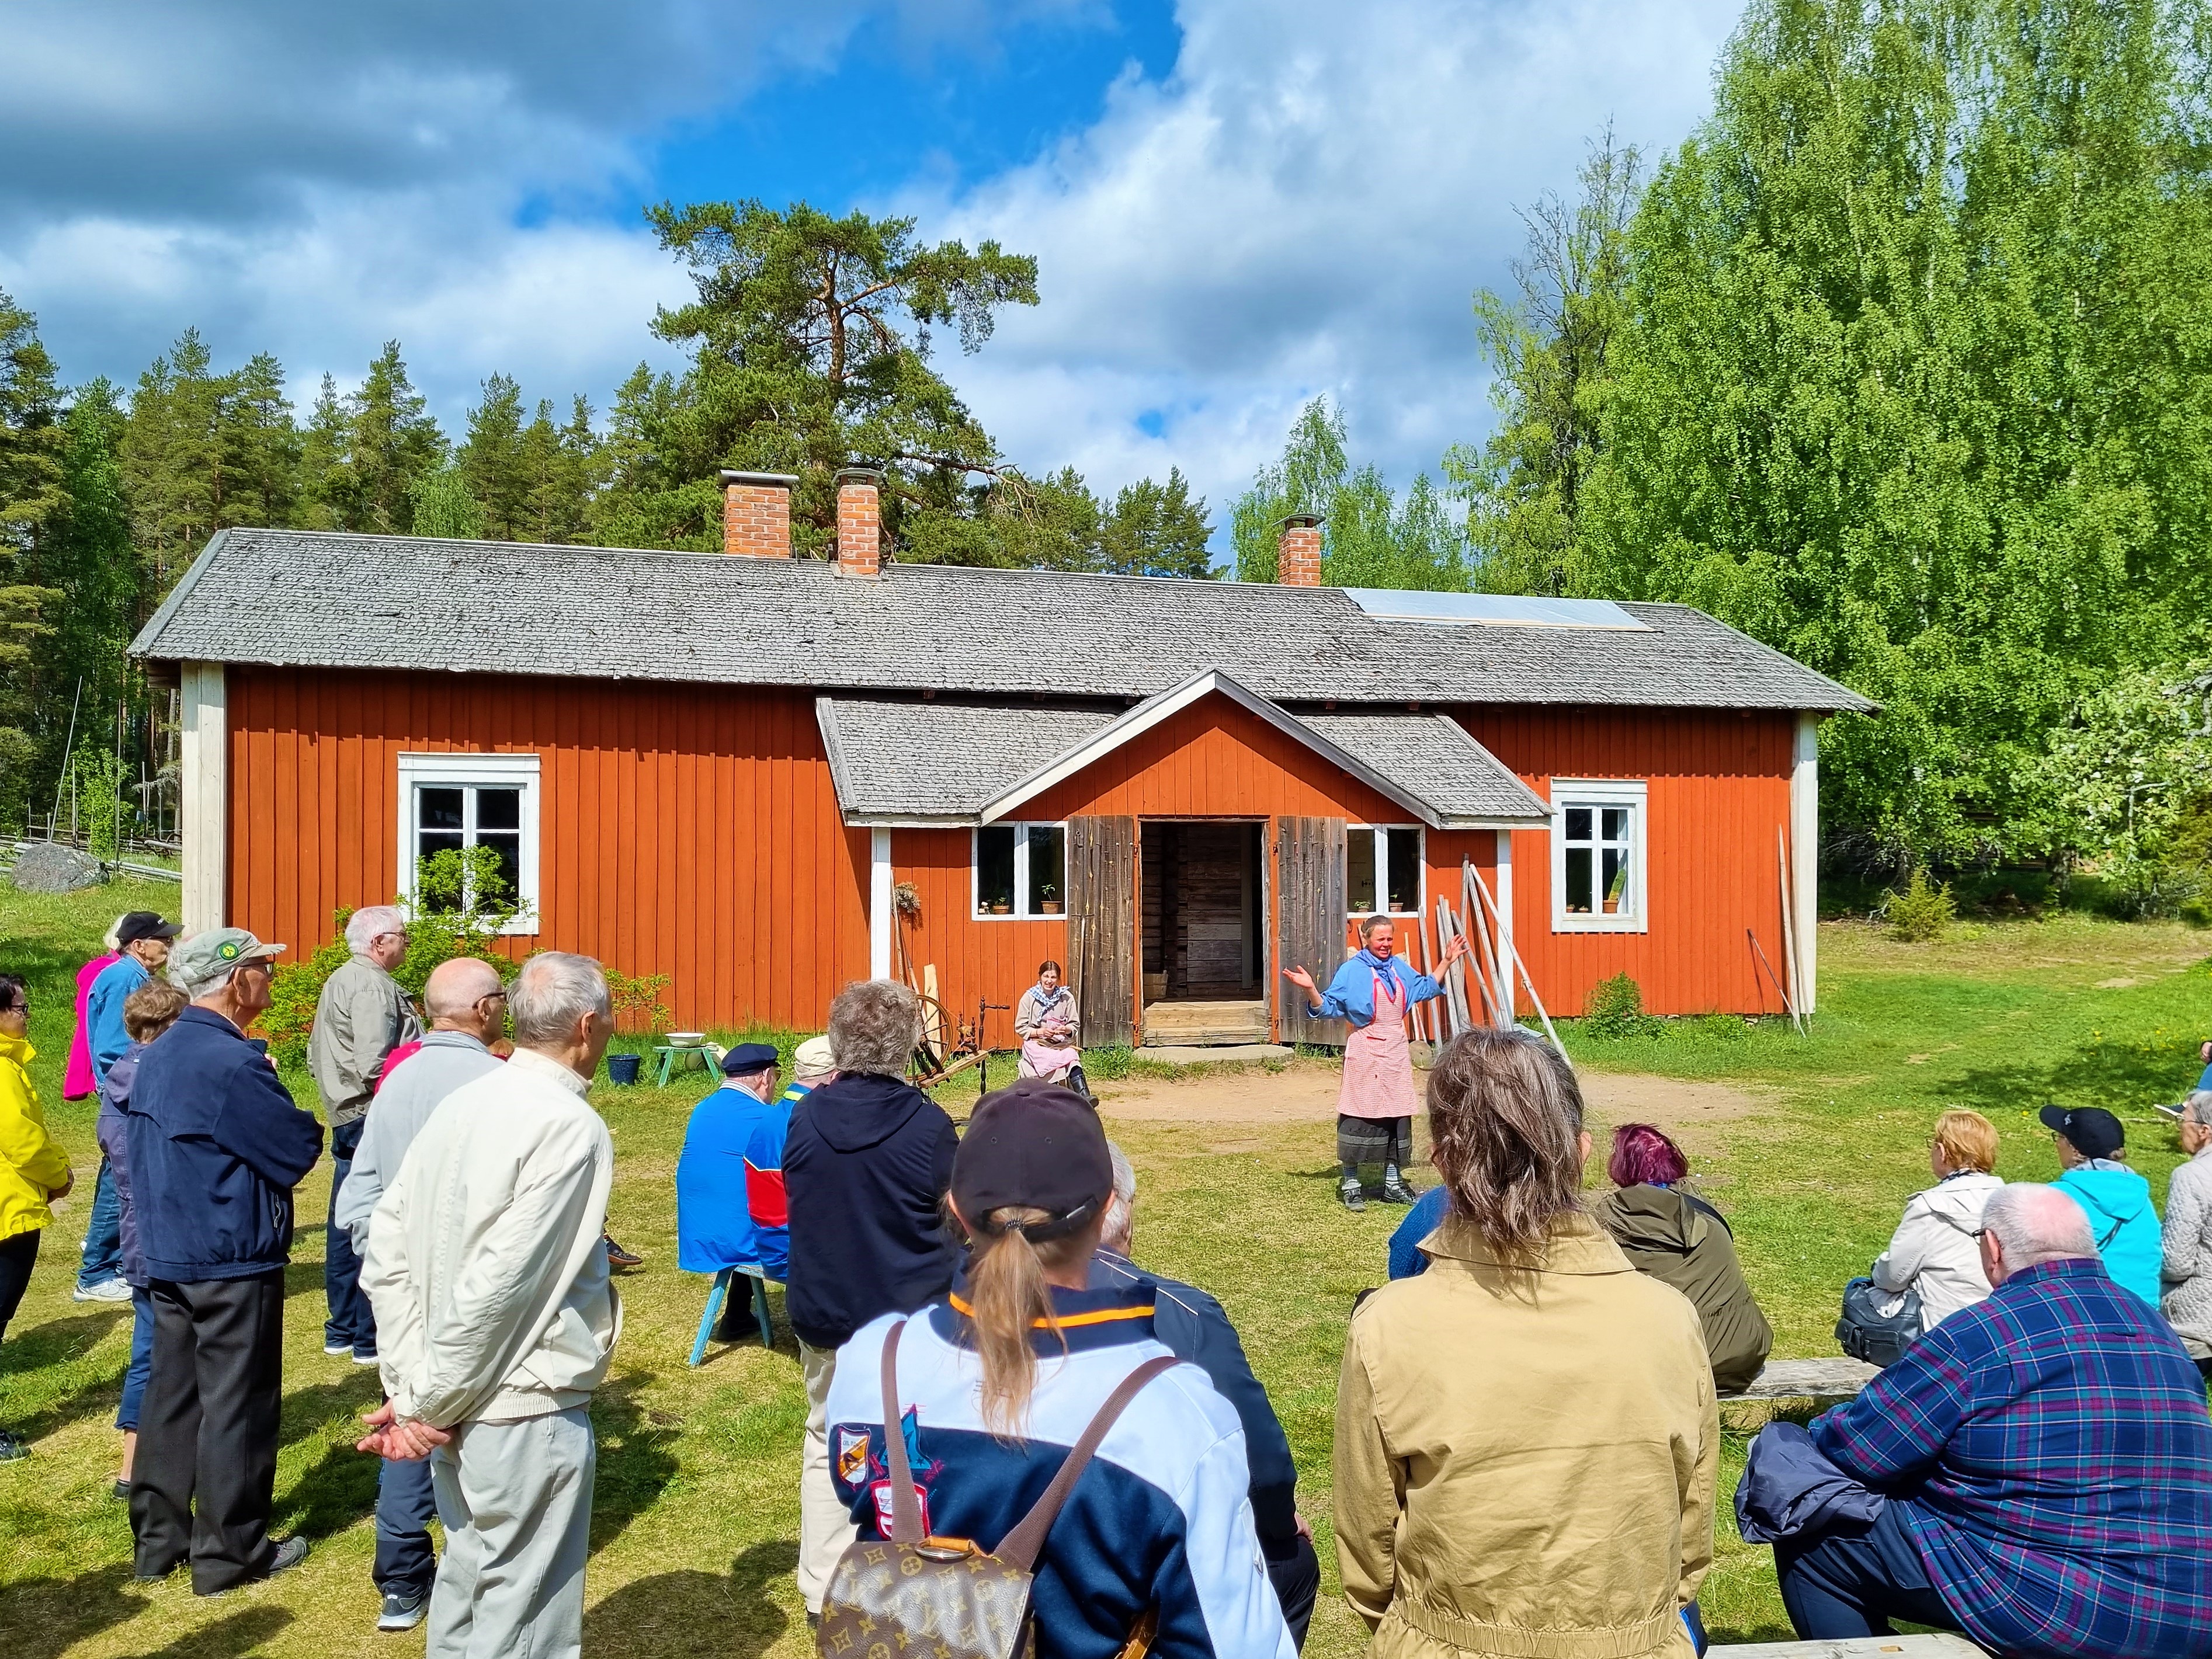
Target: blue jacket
216,1146
1160,1520
1426,1216
104,1032
866,1164
1193,1326
2117,1201
112,1130
730,1205
1351,994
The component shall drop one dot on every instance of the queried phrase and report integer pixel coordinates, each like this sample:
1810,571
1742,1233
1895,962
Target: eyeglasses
490,996
18,1008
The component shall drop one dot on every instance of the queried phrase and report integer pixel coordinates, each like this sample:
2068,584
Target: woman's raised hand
1303,980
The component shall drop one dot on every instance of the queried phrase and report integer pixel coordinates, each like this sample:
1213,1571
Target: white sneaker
339,1350
108,1290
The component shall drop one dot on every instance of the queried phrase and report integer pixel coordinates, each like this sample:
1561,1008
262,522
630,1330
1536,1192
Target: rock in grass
50,867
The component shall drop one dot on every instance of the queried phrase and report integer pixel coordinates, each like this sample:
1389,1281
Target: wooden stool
669,1053
718,1293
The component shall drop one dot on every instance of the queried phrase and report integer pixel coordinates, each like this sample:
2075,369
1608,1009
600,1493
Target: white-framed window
450,803
1383,870
1021,870
1599,828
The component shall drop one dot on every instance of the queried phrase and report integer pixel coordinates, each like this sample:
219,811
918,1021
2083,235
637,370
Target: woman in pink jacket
77,1080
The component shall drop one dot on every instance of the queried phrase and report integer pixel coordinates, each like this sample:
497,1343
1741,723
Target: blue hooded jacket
216,1146
1351,993
2122,1220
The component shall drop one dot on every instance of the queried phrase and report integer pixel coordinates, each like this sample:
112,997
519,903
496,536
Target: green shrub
637,1003
1922,912
1108,1065
1615,1010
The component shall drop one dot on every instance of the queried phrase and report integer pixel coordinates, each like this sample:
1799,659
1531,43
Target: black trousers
205,1479
19,1254
1295,1576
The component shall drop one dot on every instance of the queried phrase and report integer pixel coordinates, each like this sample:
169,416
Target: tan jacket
1525,1468
361,1015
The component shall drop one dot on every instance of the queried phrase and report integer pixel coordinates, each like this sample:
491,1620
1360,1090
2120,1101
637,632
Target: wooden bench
1838,1378
1857,1647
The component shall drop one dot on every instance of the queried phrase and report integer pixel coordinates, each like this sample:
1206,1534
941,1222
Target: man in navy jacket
1195,1327
216,1146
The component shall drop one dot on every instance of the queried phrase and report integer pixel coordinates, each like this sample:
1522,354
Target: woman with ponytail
1526,1435
998,1381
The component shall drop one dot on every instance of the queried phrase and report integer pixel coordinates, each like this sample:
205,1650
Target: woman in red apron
1374,1109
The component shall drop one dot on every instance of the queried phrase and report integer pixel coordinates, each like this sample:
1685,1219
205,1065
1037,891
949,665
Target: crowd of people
1527,1439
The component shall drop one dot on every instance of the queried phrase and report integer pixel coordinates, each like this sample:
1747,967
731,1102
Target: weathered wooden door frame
1267,924
1086,833
1291,1024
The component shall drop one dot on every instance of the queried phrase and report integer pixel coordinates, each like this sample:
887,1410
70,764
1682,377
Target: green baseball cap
206,955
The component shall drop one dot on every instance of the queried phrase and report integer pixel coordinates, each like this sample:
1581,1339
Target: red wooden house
729,768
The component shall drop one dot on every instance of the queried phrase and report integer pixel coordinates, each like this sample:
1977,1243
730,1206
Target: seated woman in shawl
1045,1021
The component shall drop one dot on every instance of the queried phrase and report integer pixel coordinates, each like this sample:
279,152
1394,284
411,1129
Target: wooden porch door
1309,900
1102,916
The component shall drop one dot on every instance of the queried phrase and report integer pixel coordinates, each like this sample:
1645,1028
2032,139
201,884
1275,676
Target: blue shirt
104,1034
2048,1453
730,1205
1427,1214
1351,993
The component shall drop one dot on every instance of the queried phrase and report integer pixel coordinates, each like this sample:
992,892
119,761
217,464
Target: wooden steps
1204,1025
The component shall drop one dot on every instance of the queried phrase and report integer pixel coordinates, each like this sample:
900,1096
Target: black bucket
622,1068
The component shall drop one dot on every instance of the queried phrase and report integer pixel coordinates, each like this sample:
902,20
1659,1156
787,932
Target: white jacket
1934,1250
2187,1301
484,1265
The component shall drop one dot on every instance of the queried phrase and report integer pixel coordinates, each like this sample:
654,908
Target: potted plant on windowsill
1048,899
1612,893
1002,907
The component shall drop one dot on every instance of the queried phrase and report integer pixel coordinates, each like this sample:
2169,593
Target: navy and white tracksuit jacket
1162,1517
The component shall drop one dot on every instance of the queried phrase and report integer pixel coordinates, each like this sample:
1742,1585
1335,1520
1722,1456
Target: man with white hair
1195,1327
467,1007
497,1314
2047,1460
215,1146
361,1015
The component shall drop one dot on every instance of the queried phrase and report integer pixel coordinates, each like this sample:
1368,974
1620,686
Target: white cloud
1305,206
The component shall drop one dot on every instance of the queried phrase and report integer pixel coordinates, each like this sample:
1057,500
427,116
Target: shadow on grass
2118,1076
59,1341
310,1408
226,1638
731,1615
45,1616
339,1490
637,1459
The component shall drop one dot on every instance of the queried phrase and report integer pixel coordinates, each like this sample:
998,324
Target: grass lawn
697,1506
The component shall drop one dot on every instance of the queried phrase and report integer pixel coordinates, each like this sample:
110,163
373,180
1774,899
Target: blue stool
715,1297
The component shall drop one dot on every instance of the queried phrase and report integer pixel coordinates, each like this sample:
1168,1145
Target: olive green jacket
1667,1235
1525,1460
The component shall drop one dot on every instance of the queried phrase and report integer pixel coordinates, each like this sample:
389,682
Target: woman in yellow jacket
1526,1436
33,1169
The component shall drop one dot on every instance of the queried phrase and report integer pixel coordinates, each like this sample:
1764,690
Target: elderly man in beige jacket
497,1316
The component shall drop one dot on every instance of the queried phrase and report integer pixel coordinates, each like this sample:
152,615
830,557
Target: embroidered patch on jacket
852,1456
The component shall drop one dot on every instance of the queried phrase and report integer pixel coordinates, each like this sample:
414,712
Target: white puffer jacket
1934,1250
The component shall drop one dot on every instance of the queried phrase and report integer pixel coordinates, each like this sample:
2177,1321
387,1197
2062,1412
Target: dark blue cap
747,1058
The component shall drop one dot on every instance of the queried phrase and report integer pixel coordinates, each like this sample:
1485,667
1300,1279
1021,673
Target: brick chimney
1297,555
860,522
756,513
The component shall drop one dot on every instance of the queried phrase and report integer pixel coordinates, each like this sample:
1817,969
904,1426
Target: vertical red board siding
685,830
1718,790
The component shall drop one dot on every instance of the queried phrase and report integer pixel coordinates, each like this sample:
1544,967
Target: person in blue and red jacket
730,1210
996,1381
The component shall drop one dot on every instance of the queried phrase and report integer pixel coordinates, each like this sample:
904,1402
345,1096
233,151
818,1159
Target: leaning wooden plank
1836,1378
1790,933
1489,918
1449,927
1930,1646
1496,986
1445,1017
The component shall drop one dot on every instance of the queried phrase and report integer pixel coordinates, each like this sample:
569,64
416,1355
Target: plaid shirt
2053,1459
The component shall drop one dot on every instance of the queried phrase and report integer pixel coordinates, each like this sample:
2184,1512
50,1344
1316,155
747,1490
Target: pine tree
1157,529
31,492
388,441
491,461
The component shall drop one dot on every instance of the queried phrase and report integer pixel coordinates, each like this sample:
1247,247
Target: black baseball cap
2094,1132
144,925
747,1058
1038,1145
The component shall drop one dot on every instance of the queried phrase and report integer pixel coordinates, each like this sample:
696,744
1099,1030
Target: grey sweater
419,1083
2185,1298
361,1017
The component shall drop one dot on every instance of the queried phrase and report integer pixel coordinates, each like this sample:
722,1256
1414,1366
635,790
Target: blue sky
1236,205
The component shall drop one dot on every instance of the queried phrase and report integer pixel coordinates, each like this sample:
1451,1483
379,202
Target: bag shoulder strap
906,1513
1020,1546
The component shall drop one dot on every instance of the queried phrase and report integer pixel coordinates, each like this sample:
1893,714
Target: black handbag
1865,1332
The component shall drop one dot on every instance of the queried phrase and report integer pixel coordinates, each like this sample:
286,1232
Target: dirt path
1306,1093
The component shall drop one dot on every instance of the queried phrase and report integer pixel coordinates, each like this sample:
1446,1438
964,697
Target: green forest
1901,361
